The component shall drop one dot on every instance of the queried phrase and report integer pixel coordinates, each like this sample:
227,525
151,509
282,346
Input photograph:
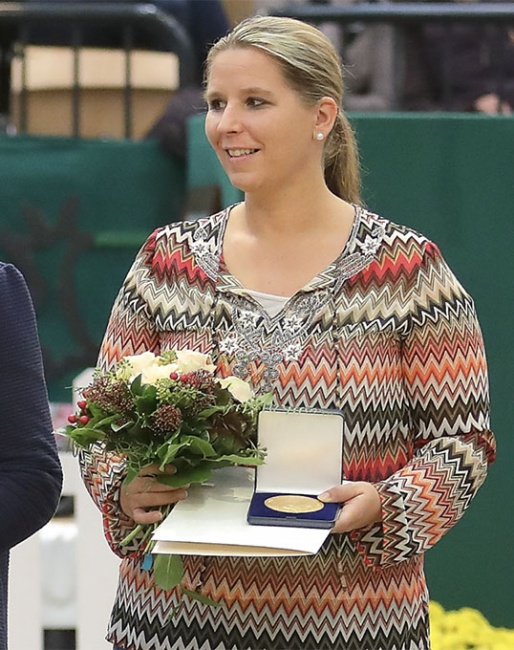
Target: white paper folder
212,521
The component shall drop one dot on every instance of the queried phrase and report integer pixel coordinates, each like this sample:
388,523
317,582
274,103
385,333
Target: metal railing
399,17
17,20
401,12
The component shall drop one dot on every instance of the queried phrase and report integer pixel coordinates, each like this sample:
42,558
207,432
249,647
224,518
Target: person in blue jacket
30,472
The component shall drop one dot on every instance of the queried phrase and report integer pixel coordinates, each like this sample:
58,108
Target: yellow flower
466,629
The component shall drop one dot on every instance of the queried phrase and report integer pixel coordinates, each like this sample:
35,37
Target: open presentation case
304,458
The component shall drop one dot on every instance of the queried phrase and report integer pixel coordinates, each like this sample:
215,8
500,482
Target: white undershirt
271,304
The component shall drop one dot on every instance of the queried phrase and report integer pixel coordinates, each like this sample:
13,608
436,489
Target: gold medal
294,503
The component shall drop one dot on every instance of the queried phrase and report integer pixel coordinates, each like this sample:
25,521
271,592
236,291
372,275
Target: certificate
213,521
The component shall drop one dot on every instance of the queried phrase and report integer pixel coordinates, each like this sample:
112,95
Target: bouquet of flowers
169,409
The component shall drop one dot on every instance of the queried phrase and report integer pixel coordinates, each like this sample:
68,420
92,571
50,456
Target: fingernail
325,496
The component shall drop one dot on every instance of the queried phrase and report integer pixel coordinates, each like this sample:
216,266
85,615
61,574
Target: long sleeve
445,377
30,472
164,297
129,331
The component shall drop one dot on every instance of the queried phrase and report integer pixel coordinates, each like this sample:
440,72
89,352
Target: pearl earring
319,136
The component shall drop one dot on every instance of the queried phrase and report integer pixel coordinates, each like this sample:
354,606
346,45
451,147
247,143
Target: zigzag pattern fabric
386,334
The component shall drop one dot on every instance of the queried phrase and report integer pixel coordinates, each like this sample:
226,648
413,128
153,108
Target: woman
30,473
300,290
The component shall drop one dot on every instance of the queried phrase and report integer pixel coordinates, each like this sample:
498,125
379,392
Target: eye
215,104
255,102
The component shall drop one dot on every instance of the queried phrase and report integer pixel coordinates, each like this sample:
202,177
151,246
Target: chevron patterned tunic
386,334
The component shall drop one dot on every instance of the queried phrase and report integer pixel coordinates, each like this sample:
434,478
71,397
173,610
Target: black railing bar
75,90
447,73
128,41
146,15
500,72
400,12
5,68
24,96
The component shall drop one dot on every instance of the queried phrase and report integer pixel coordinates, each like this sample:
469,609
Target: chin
244,184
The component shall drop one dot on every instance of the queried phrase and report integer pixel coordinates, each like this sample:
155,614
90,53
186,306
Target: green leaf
95,410
208,412
223,395
128,538
168,570
197,474
240,460
135,386
199,446
146,402
132,472
85,436
200,597
167,452
99,422
120,427
138,433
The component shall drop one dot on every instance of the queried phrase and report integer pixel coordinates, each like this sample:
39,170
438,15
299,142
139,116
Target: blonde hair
311,66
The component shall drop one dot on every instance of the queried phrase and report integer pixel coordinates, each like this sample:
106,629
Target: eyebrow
255,90
252,90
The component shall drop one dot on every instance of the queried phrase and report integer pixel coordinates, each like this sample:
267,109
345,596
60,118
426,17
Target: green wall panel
452,178
72,215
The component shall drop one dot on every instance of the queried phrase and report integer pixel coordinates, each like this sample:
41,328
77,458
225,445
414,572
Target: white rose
189,361
132,366
238,388
152,374
138,362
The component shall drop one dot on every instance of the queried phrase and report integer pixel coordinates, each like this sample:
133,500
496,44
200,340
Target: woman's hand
361,505
142,498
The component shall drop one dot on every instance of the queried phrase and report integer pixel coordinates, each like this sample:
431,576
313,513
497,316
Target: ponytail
341,158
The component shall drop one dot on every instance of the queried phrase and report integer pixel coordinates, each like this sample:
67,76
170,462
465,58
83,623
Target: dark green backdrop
452,178
72,214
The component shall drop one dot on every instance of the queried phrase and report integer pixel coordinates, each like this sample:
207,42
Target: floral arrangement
169,409
466,629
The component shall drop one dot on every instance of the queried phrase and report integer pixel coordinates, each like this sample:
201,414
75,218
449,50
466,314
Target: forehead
248,65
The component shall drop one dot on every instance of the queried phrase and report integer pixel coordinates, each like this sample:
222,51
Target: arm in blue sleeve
30,472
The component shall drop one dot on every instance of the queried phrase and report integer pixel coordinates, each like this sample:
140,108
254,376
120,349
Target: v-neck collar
365,238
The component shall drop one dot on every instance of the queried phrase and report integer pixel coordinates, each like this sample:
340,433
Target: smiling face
261,130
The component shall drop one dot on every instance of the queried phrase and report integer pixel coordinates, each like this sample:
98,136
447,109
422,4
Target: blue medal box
304,458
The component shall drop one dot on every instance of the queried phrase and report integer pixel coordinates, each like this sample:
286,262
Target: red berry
72,418
84,419
174,376
82,404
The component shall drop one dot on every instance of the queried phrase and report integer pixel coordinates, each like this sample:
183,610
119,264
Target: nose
230,119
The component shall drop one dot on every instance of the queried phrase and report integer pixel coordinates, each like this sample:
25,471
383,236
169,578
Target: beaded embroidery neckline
255,336
358,252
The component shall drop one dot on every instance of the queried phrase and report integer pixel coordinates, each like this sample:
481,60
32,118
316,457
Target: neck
272,216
